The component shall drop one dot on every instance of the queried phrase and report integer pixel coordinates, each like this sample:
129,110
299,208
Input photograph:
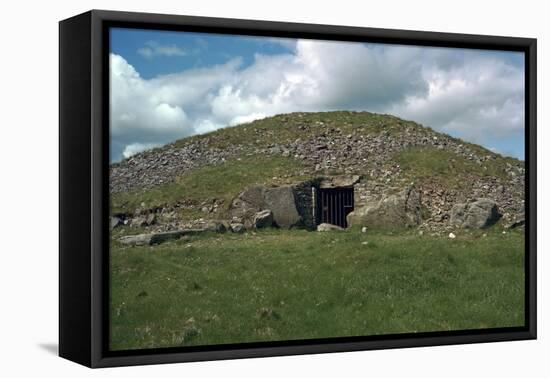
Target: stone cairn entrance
333,199
333,206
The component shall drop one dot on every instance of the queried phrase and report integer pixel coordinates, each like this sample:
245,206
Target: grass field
282,285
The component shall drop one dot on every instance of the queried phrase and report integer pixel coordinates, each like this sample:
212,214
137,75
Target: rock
263,219
163,237
157,238
214,226
328,227
237,227
395,211
247,204
339,181
226,225
515,224
518,221
482,213
144,220
115,222
452,236
150,219
139,221
142,239
282,202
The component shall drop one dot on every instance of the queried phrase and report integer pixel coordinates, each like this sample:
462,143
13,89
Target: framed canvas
235,188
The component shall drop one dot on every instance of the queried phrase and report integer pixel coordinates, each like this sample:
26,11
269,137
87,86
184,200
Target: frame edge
75,272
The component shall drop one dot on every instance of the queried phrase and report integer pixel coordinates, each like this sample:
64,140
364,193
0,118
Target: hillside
198,177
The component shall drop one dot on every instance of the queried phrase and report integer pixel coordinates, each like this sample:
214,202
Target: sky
169,85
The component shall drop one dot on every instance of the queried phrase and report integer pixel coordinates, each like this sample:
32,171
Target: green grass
286,128
282,285
222,182
447,167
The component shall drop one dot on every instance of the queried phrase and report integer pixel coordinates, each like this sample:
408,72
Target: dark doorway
333,205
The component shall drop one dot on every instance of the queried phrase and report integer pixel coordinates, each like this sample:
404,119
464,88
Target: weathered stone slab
157,238
141,239
402,210
339,181
282,202
482,213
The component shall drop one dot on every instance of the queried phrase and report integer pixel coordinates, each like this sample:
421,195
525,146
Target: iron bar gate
334,205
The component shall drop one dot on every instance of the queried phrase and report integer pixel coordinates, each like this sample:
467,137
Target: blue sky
170,85
192,50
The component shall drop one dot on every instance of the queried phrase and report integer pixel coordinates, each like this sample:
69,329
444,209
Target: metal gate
334,205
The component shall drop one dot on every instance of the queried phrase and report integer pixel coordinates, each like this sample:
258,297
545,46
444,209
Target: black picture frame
84,187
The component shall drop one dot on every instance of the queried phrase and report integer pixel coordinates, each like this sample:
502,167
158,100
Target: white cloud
463,92
479,99
138,115
155,111
136,148
153,49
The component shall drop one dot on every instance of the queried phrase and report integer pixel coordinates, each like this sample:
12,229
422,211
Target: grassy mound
226,180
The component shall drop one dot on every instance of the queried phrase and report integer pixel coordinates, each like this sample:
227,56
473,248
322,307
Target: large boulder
247,204
395,211
263,219
281,201
481,213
